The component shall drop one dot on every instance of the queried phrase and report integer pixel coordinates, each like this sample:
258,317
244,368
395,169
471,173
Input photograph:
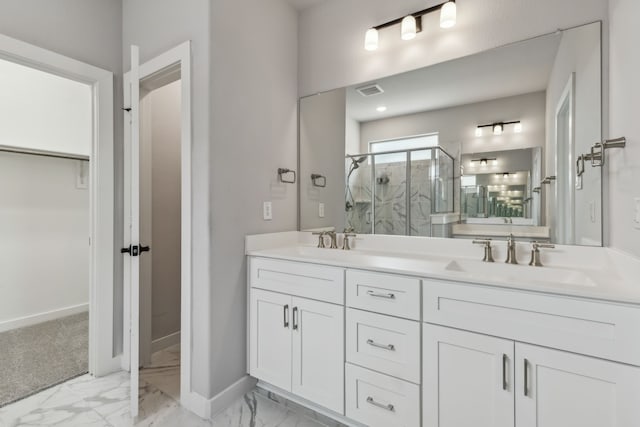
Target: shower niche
399,192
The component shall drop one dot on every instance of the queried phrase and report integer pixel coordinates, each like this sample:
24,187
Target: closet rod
43,153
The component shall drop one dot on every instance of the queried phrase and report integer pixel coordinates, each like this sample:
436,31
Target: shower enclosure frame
432,178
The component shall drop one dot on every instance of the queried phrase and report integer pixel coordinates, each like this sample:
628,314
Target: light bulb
497,129
371,39
517,128
478,132
448,15
409,28
381,109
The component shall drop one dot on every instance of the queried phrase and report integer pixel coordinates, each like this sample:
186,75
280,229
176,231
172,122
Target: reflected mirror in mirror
481,146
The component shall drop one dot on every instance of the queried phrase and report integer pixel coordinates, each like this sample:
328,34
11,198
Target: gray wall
253,132
624,165
322,150
89,31
165,200
332,35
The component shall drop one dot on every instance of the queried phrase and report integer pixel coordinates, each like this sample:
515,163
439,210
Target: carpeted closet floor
39,356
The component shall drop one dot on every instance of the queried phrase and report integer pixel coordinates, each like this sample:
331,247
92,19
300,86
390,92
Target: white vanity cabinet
297,343
490,376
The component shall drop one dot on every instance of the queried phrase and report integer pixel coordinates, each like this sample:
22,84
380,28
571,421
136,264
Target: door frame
171,61
565,171
102,359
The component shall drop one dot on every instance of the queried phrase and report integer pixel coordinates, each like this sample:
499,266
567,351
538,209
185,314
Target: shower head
355,163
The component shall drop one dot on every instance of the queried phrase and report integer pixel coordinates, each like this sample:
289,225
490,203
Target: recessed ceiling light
381,109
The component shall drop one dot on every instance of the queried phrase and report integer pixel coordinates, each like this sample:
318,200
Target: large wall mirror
485,145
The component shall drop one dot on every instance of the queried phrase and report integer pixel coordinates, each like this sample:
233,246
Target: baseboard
195,403
164,342
34,319
226,397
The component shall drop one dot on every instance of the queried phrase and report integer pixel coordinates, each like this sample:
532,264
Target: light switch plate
321,210
267,212
636,216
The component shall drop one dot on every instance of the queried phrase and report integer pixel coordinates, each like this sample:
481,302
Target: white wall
332,35
253,132
322,150
44,249
61,108
165,200
624,165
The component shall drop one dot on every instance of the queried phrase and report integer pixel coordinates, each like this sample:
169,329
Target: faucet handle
535,252
345,240
488,255
320,235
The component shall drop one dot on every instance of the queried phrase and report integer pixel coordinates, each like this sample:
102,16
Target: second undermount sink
515,274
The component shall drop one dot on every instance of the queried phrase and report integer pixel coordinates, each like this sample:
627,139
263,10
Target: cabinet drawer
384,344
384,293
297,278
378,400
600,329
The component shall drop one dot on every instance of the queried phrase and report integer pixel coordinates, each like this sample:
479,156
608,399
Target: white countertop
596,273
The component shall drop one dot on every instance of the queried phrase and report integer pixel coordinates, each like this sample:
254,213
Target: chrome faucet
488,255
535,252
511,251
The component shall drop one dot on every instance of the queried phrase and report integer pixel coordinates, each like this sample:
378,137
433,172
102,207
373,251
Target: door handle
504,371
135,250
285,314
526,377
295,318
380,295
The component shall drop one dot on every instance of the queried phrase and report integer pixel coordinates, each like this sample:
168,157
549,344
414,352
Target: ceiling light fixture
381,109
412,23
448,15
484,161
498,127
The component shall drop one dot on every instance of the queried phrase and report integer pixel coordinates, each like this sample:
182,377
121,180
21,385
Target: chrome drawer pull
379,295
390,347
388,407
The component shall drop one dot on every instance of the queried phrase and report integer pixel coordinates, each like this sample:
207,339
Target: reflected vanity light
412,24
409,28
498,127
483,161
381,109
371,39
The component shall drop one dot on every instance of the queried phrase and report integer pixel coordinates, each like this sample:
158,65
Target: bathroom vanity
410,332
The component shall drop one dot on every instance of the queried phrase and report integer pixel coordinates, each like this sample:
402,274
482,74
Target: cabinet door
467,379
559,389
270,338
318,352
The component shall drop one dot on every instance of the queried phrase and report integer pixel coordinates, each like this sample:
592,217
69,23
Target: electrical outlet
267,212
636,216
321,210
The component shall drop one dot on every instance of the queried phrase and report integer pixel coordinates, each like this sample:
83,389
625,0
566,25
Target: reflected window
407,143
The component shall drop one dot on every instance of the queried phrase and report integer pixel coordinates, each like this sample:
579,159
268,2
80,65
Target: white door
132,235
468,379
270,338
318,352
559,389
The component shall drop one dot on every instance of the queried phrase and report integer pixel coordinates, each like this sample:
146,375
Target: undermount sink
521,273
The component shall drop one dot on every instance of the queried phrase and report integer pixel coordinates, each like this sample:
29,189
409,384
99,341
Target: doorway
153,200
85,178
160,130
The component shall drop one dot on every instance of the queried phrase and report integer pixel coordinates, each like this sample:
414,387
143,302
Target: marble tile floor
164,371
104,402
